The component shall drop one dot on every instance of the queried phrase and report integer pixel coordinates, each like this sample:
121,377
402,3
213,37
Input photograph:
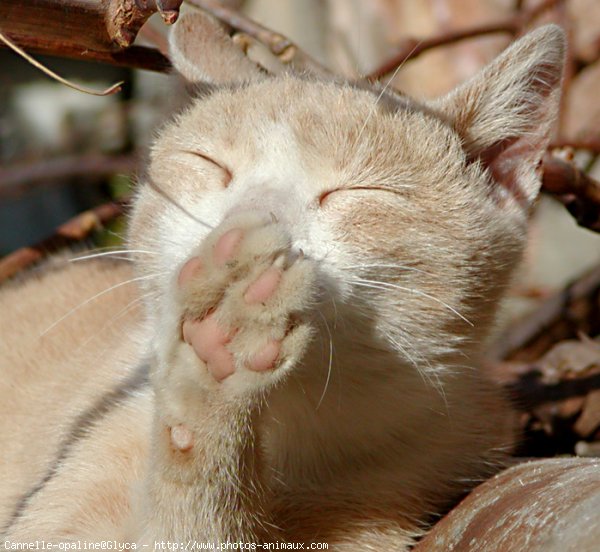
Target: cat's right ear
202,52
505,114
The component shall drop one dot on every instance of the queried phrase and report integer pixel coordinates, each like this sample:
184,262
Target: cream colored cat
320,269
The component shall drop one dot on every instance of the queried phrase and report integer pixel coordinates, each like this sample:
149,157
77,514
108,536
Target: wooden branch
113,89
279,45
73,231
579,192
410,48
103,31
587,59
18,179
99,25
562,316
135,57
561,177
93,30
589,144
124,18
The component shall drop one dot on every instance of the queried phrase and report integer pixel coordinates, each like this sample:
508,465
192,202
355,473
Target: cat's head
415,212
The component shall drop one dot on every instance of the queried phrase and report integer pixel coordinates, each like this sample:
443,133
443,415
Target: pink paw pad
265,359
208,340
182,438
189,270
264,286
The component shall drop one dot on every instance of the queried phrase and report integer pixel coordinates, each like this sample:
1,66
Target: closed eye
228,174
327,194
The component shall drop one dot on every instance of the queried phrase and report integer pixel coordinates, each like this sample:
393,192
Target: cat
320,266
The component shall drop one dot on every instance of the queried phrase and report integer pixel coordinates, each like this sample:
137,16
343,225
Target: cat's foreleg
238,331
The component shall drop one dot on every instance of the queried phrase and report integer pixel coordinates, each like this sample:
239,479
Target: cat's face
407,225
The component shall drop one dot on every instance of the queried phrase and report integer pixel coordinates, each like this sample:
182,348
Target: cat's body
320,273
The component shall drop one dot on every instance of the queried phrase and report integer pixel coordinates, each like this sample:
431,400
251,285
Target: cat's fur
395,227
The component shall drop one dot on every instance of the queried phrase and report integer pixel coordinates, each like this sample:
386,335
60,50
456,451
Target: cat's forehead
340,124
296,100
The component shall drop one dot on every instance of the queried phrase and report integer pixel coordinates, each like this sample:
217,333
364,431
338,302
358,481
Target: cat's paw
245,299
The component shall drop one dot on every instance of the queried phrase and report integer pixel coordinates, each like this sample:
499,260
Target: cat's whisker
335,310
123,312
428,374
405,352
384,265
383,91
112,254
330,359
120,236
418,360
164,194
385,285
105,248
119,258
100,294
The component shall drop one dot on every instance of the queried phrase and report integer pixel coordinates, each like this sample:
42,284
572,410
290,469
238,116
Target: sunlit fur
377,422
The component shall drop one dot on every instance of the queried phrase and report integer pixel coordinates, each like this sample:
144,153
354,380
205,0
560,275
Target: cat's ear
202,52
506,113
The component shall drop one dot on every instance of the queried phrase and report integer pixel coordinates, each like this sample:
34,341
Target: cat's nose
271,204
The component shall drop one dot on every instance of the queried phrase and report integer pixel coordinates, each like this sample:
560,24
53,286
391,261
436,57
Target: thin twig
18,179
411,48
561,177
279,45
107,92
572,310
579,192
585,59
589,144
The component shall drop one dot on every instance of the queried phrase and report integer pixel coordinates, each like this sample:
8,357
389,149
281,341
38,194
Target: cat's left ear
202,52
506,113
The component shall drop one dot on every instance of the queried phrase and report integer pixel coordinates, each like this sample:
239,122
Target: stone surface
541,506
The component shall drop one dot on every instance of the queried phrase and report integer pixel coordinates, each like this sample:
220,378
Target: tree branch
411,48
73,231
279,45
19,179
562,316
93,30
589,144
124,18
579,192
